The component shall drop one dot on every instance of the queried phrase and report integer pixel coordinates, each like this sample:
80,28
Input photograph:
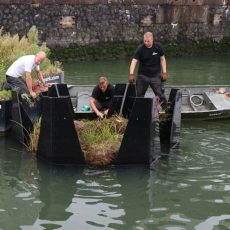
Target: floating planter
14,111
24,116
140,135
142,141
5,111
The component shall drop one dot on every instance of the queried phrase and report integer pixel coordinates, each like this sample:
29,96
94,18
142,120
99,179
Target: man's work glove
131,78
164,76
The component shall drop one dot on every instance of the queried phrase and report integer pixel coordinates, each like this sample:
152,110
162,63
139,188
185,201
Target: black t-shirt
103,96
149,59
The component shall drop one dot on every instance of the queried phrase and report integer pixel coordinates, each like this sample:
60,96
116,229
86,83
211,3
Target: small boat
204,102
201,102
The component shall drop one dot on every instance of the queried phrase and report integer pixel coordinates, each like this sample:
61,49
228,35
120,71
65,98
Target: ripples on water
188,190
190,70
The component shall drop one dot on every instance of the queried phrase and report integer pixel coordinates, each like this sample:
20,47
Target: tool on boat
196,100
123,99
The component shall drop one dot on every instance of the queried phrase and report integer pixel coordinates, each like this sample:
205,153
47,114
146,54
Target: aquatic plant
94,52
126,50
56,67
29,100
34,136
100,139
5,95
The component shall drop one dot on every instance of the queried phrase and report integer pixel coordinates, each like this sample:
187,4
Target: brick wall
91,22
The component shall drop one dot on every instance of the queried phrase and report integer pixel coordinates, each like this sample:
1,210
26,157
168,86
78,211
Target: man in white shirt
23,66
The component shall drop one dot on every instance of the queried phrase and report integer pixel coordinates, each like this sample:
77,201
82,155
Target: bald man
23,67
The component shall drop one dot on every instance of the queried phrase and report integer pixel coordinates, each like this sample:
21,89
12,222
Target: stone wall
70,23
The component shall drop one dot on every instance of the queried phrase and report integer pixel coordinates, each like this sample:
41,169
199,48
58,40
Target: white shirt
21,65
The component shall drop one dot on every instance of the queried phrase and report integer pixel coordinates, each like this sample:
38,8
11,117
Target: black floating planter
176,119
141,142
58,141
171,124
23,117
144,141
5,115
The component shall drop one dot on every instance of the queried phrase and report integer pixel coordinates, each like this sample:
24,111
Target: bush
5,95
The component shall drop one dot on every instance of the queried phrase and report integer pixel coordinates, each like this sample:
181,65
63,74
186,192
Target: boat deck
220,101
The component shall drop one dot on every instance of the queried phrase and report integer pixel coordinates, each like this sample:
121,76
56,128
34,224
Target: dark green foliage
97,52
124,50
204,47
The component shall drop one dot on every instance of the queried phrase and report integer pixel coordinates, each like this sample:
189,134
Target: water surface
187,190
189,70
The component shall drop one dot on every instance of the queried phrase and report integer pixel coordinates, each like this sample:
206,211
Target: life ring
196,100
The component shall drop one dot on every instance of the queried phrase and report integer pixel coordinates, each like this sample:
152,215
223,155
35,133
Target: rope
200,100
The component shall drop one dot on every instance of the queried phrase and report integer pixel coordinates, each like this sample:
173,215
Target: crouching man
22,68
101,98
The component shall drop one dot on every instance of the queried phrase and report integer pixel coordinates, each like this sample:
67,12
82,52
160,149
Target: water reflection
195,181
19,188
188,190
98,197
91,199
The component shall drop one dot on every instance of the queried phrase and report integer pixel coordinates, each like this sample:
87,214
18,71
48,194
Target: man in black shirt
101,98
152,68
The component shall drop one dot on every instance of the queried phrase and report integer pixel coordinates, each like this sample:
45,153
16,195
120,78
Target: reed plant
34,136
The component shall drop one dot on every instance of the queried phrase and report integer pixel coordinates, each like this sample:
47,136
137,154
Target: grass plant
34,136
5,95
100,139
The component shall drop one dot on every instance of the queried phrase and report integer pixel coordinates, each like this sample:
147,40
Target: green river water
187,190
